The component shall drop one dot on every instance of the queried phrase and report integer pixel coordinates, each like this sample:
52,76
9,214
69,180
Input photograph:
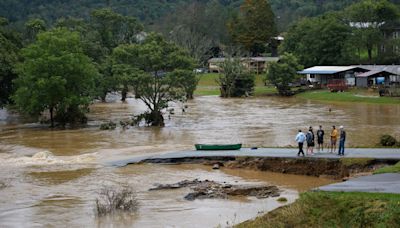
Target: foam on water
45,158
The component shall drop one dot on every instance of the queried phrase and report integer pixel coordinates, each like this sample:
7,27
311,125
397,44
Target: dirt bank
310,166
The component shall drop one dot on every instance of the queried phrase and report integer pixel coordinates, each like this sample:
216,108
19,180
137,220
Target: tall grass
389,169
329,209
116,199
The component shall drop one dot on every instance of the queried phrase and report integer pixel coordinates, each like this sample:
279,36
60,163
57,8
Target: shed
370,78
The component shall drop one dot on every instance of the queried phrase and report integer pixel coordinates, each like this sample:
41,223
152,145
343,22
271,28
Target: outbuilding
373,78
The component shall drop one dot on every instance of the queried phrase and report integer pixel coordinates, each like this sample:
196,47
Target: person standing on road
320,138
310,141
342,140
334,135
300,138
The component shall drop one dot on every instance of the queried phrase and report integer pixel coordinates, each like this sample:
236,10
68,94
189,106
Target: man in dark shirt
320,138
342,139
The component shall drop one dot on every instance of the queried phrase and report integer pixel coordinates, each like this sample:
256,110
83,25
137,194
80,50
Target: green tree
55,76
9,56
283,72
125,68
32,28
187,80
366,17
155,69
109,29
235,80
254,26
324,40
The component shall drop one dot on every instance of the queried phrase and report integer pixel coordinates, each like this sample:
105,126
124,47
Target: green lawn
389,169
208,86
334,209
355,95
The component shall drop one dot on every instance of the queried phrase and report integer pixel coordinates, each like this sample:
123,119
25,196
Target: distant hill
149,11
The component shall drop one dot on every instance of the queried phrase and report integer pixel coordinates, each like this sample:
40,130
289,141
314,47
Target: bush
282,199
114,199
235,80
108,126
3,185
388,140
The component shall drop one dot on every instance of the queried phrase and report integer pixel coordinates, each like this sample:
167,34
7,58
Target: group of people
309,138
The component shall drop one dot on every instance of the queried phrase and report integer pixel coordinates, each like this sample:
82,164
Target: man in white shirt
300,138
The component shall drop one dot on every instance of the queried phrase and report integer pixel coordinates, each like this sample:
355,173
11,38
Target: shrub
282,200
387,140
108,126
3,185
114,199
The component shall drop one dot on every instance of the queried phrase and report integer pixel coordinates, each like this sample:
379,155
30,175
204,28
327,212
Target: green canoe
218,146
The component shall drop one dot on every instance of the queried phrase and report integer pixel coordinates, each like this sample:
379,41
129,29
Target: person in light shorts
334,136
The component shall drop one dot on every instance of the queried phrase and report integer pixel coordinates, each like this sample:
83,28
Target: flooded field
52,177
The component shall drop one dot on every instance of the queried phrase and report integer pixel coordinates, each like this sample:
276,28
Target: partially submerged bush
3,185
147,117
108,126
387,140
116,199
282,199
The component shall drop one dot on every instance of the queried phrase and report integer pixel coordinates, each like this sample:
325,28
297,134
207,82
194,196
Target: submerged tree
156,69
284,72
235,80
55,76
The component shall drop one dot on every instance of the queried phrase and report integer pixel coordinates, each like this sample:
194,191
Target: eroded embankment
336,168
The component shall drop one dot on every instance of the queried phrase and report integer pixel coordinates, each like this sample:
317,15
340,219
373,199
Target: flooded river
52,177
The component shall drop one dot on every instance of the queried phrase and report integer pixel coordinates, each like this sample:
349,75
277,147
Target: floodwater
52,177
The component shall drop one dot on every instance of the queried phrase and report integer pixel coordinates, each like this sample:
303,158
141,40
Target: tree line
59,70
354,35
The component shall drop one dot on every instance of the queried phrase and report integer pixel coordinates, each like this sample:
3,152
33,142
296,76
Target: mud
211,190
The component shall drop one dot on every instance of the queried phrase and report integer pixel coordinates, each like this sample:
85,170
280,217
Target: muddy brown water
53,176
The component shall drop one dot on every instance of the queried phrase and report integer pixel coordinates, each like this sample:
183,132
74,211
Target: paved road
382,183
379,153
385,183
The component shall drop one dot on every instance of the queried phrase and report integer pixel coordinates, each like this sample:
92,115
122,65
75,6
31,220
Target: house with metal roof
254,64
355,75
322,75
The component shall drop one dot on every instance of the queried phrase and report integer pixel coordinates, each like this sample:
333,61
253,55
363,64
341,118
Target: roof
393,69
255,59
373,72
328,69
